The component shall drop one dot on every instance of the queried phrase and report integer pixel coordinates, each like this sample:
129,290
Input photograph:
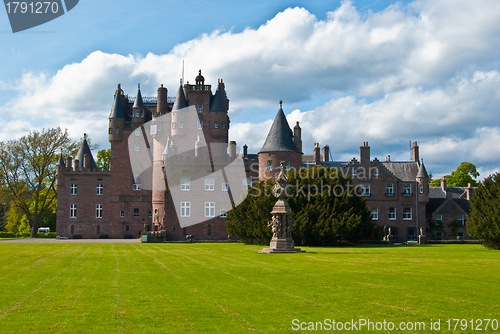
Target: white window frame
181,125
185,184
137,113
269,165
137,147
200,107
407,213
185,209
389,189
354,171
461,220
209,209
374,213
98,210
392,215
137,214
366,189
117,130
375,172
122,213
174,125
72,211
439,219
223,213
99,189
209,184
137,131
216,125
225,186
73,189
223,125
136,187
439,235
407,189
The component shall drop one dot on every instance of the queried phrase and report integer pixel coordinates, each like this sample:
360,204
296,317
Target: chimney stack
443,183
364,154
162,100
317,155
414,152
297,137
468,191
86,160
232,149
326,153
245,151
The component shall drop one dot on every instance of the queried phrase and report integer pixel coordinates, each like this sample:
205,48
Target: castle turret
279,146
84,156
117,117
138,109
423,183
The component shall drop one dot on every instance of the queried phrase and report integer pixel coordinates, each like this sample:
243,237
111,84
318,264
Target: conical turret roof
138,103
61,160
219,102
117,111
180,100
422,172
168,148
85,149
280,136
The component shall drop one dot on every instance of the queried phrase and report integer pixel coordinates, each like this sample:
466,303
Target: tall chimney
86,160
245,151
162,100
468,191
414,152
76,165
232,149
297,137
69,160
326,153
443,183
364,154
317,155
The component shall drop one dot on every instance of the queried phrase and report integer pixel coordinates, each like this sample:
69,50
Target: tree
461,177
484,217
104,159
27,169
326,210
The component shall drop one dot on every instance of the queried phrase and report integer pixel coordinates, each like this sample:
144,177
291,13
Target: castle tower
84,156
423,183
138,109
279,146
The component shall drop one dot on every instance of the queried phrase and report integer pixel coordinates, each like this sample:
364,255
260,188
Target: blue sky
350,71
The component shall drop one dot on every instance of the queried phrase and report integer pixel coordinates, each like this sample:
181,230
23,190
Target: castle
96,203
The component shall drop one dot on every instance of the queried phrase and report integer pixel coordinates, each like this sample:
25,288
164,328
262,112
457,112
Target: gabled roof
219,101
117,111
280,136
85,149
180,100
138,103
422,172
405,171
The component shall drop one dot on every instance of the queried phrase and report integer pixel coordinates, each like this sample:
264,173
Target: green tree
484,217
461,177
104,159
326,210
27,168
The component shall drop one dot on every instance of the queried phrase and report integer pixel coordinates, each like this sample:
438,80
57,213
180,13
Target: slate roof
180,100
422,172
279,138
219,101
432,206
61,160
138,103
85,149
436,192
117,110
405,171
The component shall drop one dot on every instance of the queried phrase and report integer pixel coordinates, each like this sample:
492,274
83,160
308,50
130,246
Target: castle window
223,125
122,214
375,172
150,214
174,125
412,234
216,125
461,220
210,184
389,189
223,213
181,125
185,183
209,209
72,211
225,186
138,132
439,220
406,189
136,212
142,113
200,124
421,189
365,189
354,172
137,147
98,211
406,213
375,214
200,107
392,213
137,113
117,130
153,129
136,186
73,189
99,189
269,165
110,131
287,165
185,209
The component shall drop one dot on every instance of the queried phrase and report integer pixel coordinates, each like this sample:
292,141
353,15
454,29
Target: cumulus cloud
426,71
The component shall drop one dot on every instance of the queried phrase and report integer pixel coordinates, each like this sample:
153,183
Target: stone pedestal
421,239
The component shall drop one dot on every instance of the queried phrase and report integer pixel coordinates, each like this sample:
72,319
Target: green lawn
230,288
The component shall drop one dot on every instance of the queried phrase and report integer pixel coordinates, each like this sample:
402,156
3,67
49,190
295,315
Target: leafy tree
461,177
326,210
104,159
27,169
484,217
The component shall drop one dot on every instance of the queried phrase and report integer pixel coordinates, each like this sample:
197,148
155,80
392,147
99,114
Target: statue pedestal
421,239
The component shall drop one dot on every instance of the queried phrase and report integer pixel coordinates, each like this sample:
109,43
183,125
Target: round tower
117,117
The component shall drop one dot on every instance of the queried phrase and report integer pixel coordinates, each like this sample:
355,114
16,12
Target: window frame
209,184
99,189
209,209
391,191
407,215
98,211
374,213
73,190
137,213
392,214
185,184
72,211
185,211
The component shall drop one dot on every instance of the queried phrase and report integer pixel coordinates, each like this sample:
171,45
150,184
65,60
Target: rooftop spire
117,111
219,101
138,103
180,100
422,172
85,149
280,136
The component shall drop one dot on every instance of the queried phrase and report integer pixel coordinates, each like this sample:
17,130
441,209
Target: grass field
230,288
